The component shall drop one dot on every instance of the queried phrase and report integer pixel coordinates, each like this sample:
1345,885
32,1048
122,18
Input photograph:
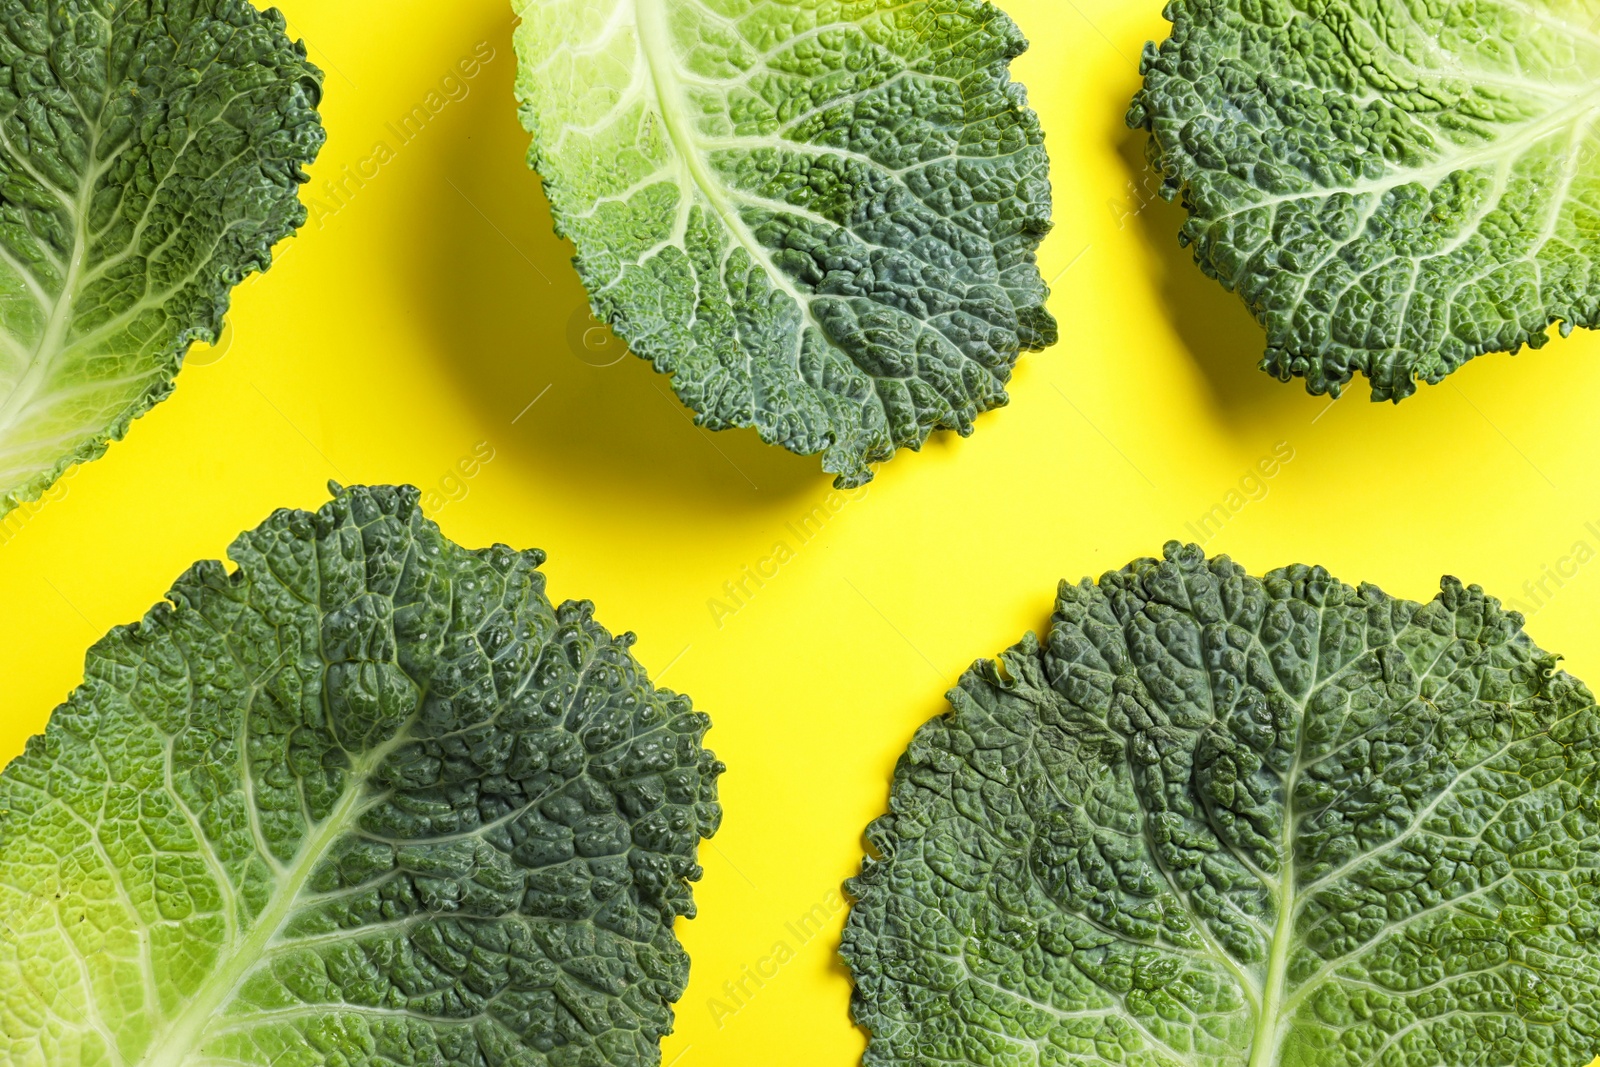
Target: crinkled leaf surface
819,217
1221,821
150,154
1393,186
370,800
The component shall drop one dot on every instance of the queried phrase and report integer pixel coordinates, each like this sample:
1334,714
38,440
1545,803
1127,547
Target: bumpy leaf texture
819,217
150,154
1393,186
1222,821
368,800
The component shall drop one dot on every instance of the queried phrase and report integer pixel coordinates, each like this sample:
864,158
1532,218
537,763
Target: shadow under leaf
1213,324
497,288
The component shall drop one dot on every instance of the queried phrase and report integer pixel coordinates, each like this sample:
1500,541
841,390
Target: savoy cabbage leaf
368,800
1393,187
1221,821
150,157
819,217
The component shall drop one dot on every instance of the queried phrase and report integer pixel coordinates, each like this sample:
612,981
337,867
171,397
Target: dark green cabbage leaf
151,153
369,800
819,218
1223,821
1393,187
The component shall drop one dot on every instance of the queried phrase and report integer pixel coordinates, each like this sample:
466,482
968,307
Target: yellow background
420,314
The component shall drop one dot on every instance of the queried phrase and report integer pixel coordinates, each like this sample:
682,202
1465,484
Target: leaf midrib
50,345
46,354
1394,177
1275,984
186,1034
1275,993
655,46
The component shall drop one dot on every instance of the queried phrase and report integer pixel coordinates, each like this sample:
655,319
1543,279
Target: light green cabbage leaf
819,218
368,800
150,157
1222,821
1394,187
